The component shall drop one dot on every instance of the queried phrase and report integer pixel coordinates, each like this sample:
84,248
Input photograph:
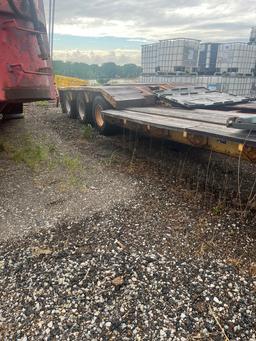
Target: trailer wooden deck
202,128
147,108
244,108
119,97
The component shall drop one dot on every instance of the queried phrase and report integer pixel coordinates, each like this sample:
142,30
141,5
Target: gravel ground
66,185
140,248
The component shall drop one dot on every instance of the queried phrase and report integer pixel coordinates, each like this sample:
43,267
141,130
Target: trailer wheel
9,117
83,108
13,111
104,127
69,106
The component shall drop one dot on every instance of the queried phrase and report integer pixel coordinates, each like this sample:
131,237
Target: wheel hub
81,110
99,116
68,106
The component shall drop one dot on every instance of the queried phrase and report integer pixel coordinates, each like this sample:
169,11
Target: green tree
103,72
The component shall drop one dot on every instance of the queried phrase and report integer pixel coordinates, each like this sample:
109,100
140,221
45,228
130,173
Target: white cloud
93,27
151,20
156,19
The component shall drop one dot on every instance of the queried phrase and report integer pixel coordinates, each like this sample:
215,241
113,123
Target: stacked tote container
236,58
208,58
178,55
242,86
170,56
229,67
149,58
253,36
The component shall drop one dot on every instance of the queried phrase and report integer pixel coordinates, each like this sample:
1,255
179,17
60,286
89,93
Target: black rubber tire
84,109
69,105
13,111
8,117
105,128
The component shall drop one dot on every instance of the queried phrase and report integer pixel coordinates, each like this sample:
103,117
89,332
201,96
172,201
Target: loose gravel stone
156,264
70,294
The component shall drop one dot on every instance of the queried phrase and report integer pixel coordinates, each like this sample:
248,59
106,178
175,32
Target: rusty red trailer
25,66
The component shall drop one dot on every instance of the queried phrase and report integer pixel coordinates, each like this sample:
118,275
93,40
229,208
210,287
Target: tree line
102,73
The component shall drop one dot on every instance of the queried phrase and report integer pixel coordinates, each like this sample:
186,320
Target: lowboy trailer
195,116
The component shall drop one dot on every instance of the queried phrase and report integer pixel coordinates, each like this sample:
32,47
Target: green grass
42,103
32,156
27,151
87,132
115,158
52,148
217,210
71,164
40,155
31,152
74,181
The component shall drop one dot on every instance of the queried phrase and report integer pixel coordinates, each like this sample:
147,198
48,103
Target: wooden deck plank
199,115
179,124
120,96
244,108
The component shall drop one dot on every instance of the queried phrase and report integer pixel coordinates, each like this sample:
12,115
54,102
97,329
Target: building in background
237,85
229,67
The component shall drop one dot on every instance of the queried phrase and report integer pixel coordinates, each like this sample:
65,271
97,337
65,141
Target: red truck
25,65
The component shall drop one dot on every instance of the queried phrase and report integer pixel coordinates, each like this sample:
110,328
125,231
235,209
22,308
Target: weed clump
71,164
38,155
26,150
87,132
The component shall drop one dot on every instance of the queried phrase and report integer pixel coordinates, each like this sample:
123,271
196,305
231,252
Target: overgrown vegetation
26,150
70,163
102,73
36,155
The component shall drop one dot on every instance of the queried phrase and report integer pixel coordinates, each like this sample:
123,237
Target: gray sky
127,24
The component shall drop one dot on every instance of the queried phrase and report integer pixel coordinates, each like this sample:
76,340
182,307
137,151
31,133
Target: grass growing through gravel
42,103
31,155
218,209
113,159
71,164
38,155
87,132
27,151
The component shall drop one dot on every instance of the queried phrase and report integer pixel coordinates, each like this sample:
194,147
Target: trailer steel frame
136,107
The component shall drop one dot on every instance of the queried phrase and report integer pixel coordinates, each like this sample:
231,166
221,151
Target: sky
100,31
